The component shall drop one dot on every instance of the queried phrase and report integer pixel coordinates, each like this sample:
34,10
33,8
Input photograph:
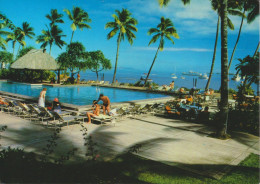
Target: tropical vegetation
74,59
97,62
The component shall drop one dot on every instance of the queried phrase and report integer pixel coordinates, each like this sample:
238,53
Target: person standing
106,103
41,101
78,78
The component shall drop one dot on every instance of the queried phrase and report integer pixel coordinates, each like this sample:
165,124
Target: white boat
174,76
236,78
191,73
205,76
182,77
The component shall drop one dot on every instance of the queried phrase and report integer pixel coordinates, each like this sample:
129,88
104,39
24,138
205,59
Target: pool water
77,95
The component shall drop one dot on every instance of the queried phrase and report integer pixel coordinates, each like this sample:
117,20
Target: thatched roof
36,60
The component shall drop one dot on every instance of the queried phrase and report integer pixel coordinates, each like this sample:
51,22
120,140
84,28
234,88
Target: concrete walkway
183,144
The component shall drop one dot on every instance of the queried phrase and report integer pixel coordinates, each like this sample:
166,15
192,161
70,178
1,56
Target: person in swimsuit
41,101
106,103
96,111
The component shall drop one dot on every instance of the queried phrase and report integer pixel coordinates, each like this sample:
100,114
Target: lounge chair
104,119
67,119
26,111
43,116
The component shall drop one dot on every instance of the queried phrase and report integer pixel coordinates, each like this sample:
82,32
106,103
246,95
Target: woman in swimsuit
41,101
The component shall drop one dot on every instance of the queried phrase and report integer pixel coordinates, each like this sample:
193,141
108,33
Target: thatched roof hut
36,60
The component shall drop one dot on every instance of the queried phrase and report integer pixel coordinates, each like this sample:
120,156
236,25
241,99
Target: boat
182,77
236,78
205,76
174,76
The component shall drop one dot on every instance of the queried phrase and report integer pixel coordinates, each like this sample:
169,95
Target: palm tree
79,19
249,69
252,7
50,36
54,17
3,42
163,30
26,31
15,37
124,24
216,6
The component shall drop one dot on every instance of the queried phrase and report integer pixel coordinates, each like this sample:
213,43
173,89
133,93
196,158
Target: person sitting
56,105
106,103
3,102
171,85
96,111
189,99
204,115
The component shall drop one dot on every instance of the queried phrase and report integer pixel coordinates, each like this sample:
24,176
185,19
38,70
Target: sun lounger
26,111
104,119
67,119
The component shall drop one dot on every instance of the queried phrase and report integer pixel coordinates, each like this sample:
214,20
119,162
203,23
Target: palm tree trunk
58,77
72,36
152,64
18,49
97,75
256,51
50,48
238,36
222,132
214,56
13,49
117,51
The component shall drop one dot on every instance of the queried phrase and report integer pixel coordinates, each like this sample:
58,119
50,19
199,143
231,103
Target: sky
195,23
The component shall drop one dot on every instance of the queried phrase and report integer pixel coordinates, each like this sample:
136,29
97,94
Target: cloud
197,17
170,49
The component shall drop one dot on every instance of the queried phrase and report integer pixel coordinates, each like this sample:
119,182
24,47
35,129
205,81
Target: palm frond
230,24
112,33
154,39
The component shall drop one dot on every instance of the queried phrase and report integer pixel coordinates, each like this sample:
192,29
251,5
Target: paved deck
183,144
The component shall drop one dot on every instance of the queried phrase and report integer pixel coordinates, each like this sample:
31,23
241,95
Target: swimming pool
77,95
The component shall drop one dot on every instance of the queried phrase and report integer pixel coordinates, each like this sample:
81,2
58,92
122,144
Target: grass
127,168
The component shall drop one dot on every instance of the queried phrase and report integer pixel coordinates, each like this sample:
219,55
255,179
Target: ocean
126,75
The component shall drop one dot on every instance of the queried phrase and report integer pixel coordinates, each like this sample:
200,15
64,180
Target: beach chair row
34,112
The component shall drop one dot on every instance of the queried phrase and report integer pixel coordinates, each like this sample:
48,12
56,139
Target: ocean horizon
128,75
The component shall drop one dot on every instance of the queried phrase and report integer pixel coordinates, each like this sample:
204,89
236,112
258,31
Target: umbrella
36,60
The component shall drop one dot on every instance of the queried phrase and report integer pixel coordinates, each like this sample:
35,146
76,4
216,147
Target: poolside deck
174,142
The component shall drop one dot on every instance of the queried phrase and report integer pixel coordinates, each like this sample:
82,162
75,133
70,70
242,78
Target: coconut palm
163,30
252,7
26,31
15,37
50,36
54,17
79,19
248,68
124,25
216,7
3,42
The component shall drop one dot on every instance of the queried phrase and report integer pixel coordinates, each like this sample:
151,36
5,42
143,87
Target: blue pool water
78,95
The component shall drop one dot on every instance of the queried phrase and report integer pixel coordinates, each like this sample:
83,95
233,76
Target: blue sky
195,24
